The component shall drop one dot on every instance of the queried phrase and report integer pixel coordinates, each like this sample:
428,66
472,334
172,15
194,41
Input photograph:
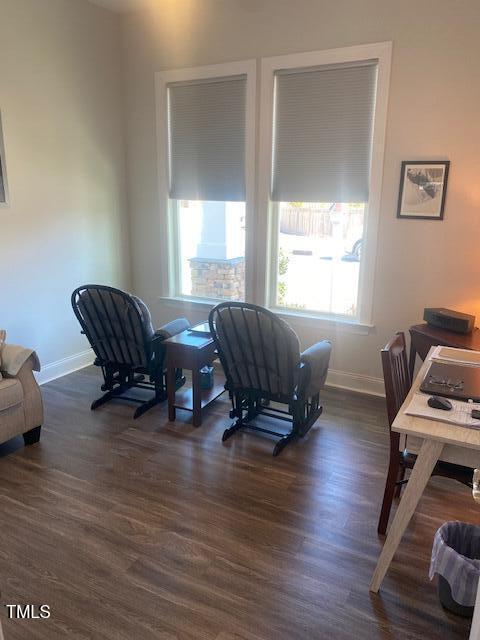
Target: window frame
267,230
3,169
170,268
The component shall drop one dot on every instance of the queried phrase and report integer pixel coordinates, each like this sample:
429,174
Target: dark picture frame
3,176
423,187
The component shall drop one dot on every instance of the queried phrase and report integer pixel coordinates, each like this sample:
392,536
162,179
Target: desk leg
196,397
171,392
421,472
475,628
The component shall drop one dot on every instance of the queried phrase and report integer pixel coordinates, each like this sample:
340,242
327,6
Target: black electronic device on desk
452,381
449,320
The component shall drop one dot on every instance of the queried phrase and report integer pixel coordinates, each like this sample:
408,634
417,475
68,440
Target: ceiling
120,5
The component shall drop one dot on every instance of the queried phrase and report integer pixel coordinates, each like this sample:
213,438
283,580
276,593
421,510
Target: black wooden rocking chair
261,357
129,351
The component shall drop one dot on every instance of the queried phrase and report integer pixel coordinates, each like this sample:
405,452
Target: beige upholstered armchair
21,408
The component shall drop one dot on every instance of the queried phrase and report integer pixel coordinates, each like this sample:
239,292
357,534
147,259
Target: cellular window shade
323,127
206,124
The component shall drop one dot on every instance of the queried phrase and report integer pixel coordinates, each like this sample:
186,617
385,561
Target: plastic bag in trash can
456,557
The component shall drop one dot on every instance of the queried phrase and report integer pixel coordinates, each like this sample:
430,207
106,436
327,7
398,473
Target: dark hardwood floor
155,530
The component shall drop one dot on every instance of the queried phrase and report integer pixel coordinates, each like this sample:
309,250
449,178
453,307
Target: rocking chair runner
119,328
261,358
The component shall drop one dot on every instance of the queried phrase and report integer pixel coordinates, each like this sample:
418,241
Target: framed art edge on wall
4,196
423,189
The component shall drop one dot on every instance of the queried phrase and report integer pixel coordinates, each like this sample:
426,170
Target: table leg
171,392
196,398
421,472
475,628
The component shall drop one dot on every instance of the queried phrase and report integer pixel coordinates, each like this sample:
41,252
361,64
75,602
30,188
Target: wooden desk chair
398,381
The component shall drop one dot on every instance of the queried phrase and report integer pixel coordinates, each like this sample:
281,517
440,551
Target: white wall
433,114
60,99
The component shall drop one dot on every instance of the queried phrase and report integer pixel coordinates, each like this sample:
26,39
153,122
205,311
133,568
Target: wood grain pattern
154,530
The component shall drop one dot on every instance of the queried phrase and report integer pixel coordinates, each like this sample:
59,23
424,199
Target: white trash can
456,560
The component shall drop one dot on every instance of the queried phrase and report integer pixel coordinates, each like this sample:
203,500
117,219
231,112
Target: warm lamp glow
174,20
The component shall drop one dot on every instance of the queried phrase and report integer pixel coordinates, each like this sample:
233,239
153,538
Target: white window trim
266,261
170,280
6,203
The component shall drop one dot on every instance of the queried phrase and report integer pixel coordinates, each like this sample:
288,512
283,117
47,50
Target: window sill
338,324
198,304
335,323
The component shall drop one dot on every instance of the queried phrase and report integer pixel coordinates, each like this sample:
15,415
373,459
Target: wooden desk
187,351
423,336
439,440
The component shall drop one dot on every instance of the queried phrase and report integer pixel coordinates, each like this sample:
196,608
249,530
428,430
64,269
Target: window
211,252
318,257
323,117
208,138
310,248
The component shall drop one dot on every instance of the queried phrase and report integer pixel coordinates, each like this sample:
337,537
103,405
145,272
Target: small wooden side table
189,351
423,336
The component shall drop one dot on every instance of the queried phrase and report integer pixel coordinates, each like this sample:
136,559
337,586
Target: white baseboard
66,365
338,379
356,382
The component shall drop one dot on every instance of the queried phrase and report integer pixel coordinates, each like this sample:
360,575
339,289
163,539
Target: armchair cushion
11,393
21,408
317,357
15,356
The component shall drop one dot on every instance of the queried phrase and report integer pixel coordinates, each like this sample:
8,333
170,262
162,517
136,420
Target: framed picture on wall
423,185
3,175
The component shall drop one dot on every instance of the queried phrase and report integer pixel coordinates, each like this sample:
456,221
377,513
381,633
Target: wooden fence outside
305,221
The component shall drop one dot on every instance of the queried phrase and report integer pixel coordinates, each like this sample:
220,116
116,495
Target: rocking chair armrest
317,357
303,378
172,328
159,349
